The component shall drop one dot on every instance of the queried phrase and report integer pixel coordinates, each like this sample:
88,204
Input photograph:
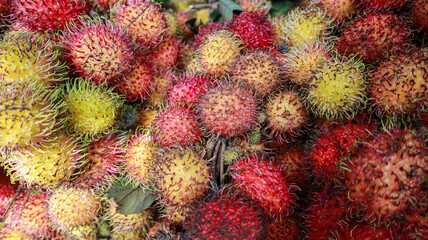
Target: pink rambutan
135,84
143,19
189,89
176,125
165,54
206,30
254,29
265,182
225,217
48,15
99,50
381,5
374,36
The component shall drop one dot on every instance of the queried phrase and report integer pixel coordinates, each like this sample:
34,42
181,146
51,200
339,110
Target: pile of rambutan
228,119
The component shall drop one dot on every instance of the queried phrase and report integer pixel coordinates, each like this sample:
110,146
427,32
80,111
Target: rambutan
286,113
105,4
386,174
165,54
30,216
369,231
144,20
189,89
161,85
339,10
398,85
182,176
182,17
70,207
225,217
12,233
265,182
136,83
374,37
419,14
7,191
254,29
48,165
218,51
292,161
176,125
27,117
101,162
174,28
48,15
301,61
29,59
259,71
228,110
381,5
206,30
128,222
99,50
285,229
91,110
146,118
305,26
261,6
337,89
139,157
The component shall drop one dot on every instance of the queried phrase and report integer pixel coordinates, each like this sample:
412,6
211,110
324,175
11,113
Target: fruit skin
28,58
260,6
220,43
91,110
286,113
46,166
259,71
162,83
339,10
188,90
30,217
146,28
378,180
265,182
381,5
301,61
100,168
12,233
139,157
165,54
305,26
27,117
182,176
374,37
419,14
205,30
135,84
285,229
129,222
228,110
337,89
71,207
398,85
293,162
225,217
176,125
48,15
254,29
99,50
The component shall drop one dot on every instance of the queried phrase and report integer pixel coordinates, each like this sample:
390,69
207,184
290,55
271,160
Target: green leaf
130,199
280,7
227,8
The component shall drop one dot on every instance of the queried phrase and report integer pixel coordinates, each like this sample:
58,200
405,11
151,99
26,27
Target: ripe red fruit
254,29
189,90
381,5
225,217
265,182
176,125
48,15
419,13
206,30
374,37
165,54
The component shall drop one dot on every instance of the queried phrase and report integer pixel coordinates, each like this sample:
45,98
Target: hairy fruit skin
398,85
228,110
339,10
147,27
99,50
218,51
374,37
337,89
225,217
254,29
189,89
70,207
176,125
48,15
130,222
182,176
379,182
165,54
381,5
264,182
259,71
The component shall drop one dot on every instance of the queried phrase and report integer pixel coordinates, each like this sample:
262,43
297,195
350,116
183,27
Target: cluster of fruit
311,124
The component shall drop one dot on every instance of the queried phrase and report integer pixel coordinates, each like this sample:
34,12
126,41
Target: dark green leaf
191,24
215,15
131,199
280,7
227,8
